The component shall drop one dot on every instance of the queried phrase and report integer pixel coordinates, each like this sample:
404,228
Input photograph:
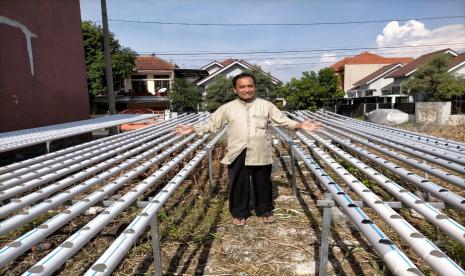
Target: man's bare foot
269,218
239,221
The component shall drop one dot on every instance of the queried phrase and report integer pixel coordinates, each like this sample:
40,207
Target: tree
184,96
122,59
219,93
434,81
329,82
312,90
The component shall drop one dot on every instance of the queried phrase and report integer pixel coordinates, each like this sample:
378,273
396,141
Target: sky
404,29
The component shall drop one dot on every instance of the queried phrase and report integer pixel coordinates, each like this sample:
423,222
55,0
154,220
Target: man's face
245,88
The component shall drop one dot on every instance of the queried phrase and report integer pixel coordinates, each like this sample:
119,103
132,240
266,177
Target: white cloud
328,57
271,62
415,33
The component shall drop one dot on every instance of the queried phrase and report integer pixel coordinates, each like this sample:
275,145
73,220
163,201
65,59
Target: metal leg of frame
294,187
210,170
156,247
324,247
426,176
47,145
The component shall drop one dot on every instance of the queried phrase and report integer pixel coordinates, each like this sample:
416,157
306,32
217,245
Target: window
369,93
351,94
138,77
395,90
162,84
161,76
139,86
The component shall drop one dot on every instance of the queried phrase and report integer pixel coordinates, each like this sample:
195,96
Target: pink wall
56,92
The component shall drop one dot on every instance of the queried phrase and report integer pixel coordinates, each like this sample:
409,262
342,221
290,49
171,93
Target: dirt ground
197,237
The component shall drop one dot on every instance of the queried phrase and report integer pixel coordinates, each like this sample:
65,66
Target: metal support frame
426,176
119,248
47,146
156,246
326,205
436,258
324,246
290,142
23,138
291,154
210,170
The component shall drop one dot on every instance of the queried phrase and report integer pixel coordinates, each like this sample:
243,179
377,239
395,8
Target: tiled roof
241,62
457,60
228,61
368,58
381,71
340,64
152,63
409,67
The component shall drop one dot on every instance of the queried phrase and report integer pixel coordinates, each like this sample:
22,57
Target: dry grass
456,133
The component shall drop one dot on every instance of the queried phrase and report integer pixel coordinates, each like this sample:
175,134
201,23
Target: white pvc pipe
25,242
74,243
120,247
423,247
397,262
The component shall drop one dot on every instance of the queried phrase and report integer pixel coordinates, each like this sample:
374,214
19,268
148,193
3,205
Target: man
249,148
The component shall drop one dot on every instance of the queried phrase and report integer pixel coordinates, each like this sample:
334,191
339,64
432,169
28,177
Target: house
150,75
402,74
229,68
150,83
190,75
457,65
352,69
372,85
147,87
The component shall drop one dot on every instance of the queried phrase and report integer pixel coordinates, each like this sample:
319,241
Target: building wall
356,72
213,68
460,72
150,84
378,84
230,72
44,83
432,112
234,71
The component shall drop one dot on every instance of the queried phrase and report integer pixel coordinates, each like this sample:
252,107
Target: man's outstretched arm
308,125
278,118
215,122
184,129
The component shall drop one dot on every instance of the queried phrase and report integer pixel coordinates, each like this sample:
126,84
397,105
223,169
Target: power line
298,51
290,63
339,56
283,24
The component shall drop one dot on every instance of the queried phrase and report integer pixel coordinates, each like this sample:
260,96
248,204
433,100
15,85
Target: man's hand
183,129
310,126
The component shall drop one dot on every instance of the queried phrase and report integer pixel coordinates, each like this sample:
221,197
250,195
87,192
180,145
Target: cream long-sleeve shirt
248,128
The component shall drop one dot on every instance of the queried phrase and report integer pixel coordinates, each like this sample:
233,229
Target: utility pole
108,70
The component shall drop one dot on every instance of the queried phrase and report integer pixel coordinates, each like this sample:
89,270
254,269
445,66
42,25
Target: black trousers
239,185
